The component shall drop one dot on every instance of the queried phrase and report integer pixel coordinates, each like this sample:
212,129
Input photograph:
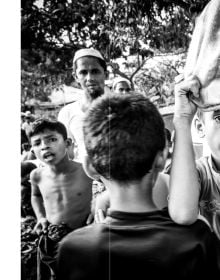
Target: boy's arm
161,190
38,204
184,184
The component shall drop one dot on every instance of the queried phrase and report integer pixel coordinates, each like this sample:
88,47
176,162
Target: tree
52,32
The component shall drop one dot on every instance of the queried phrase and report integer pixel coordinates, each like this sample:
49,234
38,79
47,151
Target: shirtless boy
61,191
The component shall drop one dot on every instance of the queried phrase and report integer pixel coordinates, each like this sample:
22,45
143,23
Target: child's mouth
48,156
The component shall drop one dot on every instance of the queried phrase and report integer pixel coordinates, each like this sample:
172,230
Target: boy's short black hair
42,124
168,134
123,135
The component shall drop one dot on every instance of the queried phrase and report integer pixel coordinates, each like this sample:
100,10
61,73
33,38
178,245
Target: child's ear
70,148
160,159
69,142
89,169
199,127
75,77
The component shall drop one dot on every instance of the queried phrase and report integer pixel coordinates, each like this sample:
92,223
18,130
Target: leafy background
52,30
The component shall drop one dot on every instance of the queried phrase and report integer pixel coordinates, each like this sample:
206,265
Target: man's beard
95,93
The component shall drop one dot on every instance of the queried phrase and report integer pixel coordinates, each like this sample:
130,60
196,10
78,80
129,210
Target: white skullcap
119,80
87,52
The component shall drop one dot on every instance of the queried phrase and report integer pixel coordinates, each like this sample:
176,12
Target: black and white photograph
118,140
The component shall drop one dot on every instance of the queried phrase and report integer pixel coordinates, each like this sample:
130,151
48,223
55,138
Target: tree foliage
52,30
155,80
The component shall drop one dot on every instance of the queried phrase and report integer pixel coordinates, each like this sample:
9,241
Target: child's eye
36,144
217,119
53,139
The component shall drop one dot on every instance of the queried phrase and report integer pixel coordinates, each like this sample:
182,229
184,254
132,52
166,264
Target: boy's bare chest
51,184
62,187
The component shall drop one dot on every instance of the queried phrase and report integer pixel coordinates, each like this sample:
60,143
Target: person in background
90,71
23,136
26,207
121,85
26,126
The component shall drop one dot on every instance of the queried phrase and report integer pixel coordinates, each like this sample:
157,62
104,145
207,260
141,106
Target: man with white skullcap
89,70
121,85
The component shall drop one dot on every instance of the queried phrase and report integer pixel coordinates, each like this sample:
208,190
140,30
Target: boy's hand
99,216
100,204
184,107
41,226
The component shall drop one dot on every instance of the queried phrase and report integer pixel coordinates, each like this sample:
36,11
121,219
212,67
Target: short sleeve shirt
72,117
209,203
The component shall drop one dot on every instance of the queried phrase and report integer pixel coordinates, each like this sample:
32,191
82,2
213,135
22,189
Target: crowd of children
155,217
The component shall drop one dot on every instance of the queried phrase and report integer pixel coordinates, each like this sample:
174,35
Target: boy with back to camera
61,192
125,142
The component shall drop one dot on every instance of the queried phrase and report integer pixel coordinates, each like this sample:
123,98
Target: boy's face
49,146
91,76
122,88
211,129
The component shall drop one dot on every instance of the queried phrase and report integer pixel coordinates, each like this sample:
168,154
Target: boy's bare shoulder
36,175
76,165
79,168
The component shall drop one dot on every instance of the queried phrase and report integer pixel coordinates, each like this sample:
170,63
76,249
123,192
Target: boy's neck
135,197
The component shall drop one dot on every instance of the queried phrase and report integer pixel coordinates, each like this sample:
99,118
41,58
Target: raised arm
184,184
38,204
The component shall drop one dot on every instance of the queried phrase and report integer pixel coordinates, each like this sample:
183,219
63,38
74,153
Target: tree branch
138,68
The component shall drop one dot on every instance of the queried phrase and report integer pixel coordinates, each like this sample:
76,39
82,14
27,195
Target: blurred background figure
25,147
28,119
26,208
121,85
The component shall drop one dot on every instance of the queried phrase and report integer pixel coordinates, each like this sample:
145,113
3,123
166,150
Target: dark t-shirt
138,246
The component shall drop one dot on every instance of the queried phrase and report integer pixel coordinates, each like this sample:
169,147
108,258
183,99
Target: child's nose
44,145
